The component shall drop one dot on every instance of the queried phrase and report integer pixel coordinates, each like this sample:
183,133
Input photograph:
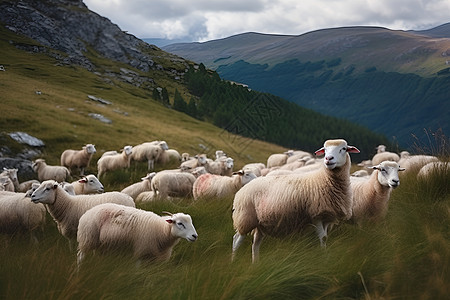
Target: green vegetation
406,256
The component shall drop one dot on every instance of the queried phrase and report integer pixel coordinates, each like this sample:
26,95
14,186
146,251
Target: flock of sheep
291,192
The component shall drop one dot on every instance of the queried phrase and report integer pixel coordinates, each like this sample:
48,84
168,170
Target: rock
102,101
100,117
25,138
25,172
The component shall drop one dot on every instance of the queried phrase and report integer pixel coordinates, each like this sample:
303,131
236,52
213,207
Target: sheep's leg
257,239
151,164
80,258
321,231
82,171
237,241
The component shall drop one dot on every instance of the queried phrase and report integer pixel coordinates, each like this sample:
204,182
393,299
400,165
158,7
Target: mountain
161,42
393,82
70,77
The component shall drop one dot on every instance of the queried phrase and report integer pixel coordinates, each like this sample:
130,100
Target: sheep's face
246,176
128,150
11,173
335,152
229,163
92,184
202,159
163,145
90,149
182,227
388,173
45,193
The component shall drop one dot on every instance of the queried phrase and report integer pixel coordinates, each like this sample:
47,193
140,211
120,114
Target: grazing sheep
371,195
46,172
66,209
88,185
144,185
280,205
278,159
17,213
435,167
146,152
18,187
79,159
150,236
217,186
114,162
173,184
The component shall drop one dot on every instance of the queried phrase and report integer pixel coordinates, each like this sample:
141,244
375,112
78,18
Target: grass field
406,256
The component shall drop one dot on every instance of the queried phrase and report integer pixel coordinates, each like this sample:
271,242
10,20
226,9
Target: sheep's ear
170,221
352,149
321,151
83,180
401,169
55,185
374,167
240,172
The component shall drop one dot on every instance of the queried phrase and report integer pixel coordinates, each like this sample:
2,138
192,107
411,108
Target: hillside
67,53
368,75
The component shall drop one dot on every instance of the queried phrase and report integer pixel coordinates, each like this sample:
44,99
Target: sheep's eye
181,225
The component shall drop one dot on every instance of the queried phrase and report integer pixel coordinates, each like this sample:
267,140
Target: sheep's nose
195,236
329,157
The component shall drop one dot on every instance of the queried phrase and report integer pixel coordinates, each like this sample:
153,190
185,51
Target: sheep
18,187
66,209
173,184
6,184
114,162
185,157
360,173
371,195
384,156
415,162
112,226
295,164
280,205
220,154
17,213
173,155
434,167
278,159
143,197
68,187
78,158
146,152
278,172
47,172
298,154
223,166
217,186
198,171
198,161
88,185
144,185
255,168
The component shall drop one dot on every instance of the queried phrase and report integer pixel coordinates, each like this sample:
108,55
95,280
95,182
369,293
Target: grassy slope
59,116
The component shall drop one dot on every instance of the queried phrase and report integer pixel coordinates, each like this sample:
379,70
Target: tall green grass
406,256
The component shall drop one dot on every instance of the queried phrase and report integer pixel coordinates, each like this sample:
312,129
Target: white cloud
212,19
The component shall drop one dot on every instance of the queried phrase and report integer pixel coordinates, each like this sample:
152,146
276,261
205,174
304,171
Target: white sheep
88,185
6,184
384,156
278,159
371,195
17,213
198,161
222,166
150,236
434,167
217,186
256,168
298,154
67,186
47,172
114,162
413,163
185,157
173,184
66,209
18,187
144,197
147,151
78,158
360,173
144,185
280,205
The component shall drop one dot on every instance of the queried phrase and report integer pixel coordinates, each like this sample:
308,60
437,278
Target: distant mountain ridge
394,82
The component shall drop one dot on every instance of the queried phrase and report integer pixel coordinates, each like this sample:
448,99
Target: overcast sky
202,20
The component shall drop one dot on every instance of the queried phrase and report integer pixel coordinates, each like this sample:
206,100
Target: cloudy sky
202,20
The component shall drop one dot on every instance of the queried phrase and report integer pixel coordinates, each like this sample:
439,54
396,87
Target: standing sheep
114,162
217,186
146,152
371,195
21,187
143,186
17,213
46,172
413,163
111,226
173,184
280,205
66,209
88,185
79,159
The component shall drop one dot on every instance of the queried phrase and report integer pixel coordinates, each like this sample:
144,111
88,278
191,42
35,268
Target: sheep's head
128,150
388,173
335,152
163,145
182,226
45,192
201,159
92,184
247,175
12,174
90,149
